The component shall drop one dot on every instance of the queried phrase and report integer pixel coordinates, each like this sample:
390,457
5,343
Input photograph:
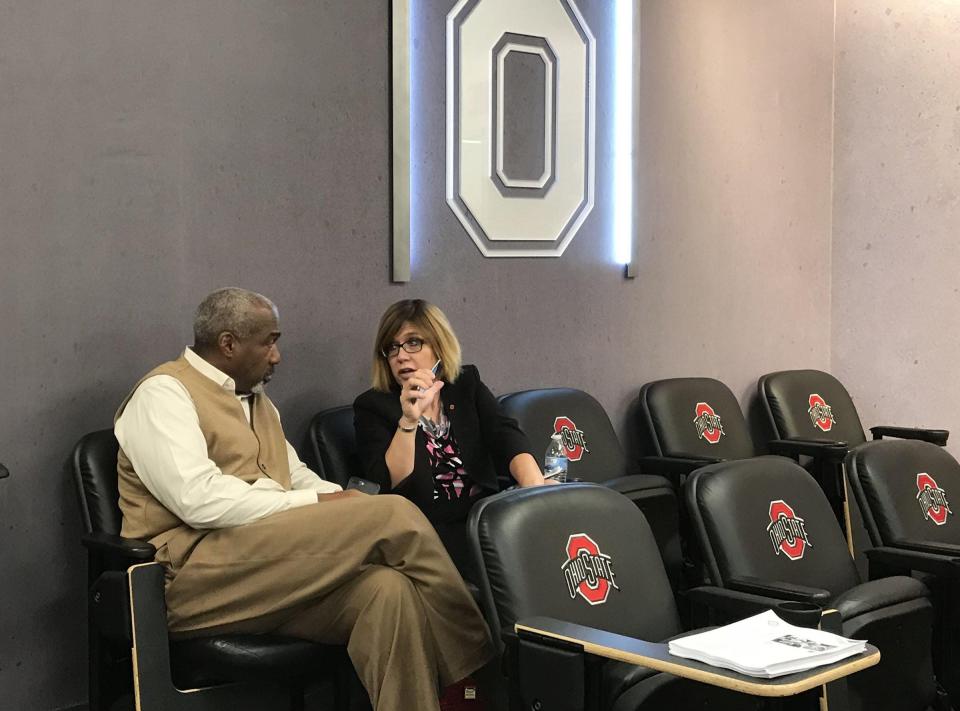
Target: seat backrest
334,443
593,448
579,552
698,417
904,488
95,475
810,404
768,518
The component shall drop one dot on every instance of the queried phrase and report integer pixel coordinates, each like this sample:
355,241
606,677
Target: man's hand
347,494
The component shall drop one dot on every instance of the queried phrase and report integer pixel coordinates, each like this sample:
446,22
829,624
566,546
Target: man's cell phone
364,485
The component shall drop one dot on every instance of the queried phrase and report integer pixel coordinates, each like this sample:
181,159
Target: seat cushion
616,677
243,657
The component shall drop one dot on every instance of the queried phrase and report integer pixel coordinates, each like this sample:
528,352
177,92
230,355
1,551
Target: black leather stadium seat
696,419
334,444
812,404
530,545
813,407
905,490
126,609
766,528
595,455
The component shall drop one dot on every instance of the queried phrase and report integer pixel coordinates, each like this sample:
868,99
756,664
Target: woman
439,440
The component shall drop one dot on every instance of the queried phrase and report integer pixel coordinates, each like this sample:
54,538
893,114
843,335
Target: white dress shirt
159,431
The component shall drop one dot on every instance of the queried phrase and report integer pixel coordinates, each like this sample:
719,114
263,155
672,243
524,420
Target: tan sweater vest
245,450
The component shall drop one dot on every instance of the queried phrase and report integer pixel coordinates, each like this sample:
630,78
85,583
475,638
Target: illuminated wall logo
517,196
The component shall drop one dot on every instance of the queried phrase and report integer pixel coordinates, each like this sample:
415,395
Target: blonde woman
430,430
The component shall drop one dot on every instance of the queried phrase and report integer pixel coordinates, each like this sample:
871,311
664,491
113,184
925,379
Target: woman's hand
418,395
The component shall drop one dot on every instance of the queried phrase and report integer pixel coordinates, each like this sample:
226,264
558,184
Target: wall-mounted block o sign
520,124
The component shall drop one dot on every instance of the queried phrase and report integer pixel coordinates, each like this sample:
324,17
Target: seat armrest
829,449
874,595
886,560
732,603
936,547
938,437
674,466
779,589
132,549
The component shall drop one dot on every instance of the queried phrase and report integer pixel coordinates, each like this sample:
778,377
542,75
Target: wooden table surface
656,656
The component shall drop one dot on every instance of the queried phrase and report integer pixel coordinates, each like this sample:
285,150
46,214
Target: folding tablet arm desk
553,651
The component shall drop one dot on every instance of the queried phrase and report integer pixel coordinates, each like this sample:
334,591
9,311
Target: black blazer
488,439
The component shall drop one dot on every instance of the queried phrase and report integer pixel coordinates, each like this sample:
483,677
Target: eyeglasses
411,345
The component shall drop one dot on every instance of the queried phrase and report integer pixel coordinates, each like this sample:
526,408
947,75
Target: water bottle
555,460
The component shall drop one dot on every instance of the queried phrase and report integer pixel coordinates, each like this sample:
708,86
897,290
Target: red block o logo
708,424
588,572
932,499
787,532
573,439
821,414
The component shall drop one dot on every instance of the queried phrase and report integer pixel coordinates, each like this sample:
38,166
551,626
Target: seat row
795,551
689,425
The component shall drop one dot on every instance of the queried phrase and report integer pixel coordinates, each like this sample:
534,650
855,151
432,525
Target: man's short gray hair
226,309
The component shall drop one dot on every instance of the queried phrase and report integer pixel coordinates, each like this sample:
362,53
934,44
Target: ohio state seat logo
708,423
821,414
787,532
588,572
932,499
572,438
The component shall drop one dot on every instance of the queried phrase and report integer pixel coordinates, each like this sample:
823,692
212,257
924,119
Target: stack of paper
766,646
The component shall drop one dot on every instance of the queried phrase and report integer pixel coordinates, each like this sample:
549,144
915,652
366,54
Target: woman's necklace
436,429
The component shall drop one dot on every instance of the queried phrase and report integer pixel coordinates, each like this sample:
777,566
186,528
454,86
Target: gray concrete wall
153,151
896,325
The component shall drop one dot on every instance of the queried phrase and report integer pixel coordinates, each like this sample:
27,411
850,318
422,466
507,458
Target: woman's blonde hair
433,326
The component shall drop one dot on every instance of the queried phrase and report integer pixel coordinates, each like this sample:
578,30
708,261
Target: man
253,541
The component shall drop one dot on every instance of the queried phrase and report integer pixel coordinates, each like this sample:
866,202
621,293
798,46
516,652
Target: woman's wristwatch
405,429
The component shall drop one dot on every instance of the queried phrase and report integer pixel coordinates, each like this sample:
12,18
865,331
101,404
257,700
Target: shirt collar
209,370
217,375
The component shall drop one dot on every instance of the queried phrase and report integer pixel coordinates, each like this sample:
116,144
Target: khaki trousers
369,572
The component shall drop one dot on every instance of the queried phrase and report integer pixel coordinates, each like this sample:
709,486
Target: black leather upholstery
787,397
884,477
673,424
542,412
195,662
766,519
522,540
96,481
730,507
334,444
894,482
249,657
875,595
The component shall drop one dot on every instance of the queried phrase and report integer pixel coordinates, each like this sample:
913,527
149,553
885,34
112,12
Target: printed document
766,646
